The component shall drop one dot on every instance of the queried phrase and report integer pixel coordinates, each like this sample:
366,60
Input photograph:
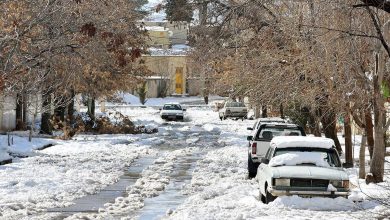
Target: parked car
259,141
172,111
233,109
303,166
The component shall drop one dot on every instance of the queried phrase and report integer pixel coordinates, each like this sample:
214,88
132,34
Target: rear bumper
172,117
236,114
307,192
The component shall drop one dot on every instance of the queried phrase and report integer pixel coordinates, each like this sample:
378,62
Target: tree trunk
348,140
257,111
329,125
71,108
281,109
362,157
46,126
378,157
264,111
19,112
370,132
91,107
314,126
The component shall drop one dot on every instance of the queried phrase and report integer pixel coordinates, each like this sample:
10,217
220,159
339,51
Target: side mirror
184,110
264,161
249,128
249,138
347,165
159,109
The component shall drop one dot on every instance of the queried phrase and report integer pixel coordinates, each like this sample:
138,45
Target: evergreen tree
178,10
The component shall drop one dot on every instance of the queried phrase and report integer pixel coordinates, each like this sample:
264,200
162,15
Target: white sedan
172,111
304,166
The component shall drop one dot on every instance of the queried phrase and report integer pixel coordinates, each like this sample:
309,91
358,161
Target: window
172,107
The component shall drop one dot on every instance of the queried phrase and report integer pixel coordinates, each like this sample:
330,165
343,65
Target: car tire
268,196
252,167
261,197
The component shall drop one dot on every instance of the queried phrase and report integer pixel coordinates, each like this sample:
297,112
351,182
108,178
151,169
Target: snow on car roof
301,141
172,103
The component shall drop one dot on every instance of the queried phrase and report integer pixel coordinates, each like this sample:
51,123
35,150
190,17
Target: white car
233,109
172,111
304,166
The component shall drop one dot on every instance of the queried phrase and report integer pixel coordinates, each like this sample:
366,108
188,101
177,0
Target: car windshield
270,132
235,104
172,107
307,156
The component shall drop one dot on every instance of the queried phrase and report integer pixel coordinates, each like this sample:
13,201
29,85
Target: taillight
254,146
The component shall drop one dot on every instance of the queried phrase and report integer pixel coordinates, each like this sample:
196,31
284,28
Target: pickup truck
261,137
233,110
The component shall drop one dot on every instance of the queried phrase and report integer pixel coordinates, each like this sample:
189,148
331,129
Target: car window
172,107
329,155
235,104
269,132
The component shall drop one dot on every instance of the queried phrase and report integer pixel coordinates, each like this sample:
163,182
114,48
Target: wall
166,66
7,113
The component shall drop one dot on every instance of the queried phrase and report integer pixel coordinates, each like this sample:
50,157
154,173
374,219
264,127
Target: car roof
301,141
272,119
172,103
278,124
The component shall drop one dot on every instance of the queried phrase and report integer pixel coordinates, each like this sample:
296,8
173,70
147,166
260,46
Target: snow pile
297,158
302,141
60,174
21,146
4,155
320,204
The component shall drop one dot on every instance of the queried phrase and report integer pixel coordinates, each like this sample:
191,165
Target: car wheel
268,196
261,197
252,168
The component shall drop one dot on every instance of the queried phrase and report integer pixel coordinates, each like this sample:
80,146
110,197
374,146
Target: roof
301,141
274,119
278,124
172,103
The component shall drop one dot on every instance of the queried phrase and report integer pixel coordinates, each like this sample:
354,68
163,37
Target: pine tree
178,10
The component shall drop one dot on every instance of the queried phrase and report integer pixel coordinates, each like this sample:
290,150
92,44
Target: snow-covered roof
155,28
167,52
301,141
172,103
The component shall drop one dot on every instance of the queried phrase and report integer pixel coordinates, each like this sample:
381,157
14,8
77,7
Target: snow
133,100
296,158
19,145
302,141
151,6
155,28
219,187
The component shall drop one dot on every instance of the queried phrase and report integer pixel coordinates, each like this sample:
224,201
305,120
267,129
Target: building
168,60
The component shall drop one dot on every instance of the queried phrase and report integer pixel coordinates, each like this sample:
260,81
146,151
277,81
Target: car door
263,171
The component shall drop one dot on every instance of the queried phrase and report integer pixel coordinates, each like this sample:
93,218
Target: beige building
170,73
168,60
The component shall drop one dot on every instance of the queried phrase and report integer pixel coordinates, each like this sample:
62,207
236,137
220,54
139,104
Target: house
168,60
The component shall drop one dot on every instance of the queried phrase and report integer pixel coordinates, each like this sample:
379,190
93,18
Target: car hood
309,172
171,112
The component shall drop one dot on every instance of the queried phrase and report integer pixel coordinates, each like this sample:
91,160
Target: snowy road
194,169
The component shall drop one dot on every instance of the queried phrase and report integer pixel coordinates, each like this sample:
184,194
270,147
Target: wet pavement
169,199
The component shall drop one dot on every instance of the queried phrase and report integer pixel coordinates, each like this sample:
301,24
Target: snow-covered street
195,169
